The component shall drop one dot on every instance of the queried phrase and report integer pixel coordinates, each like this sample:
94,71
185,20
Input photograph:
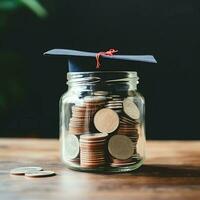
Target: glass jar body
102,127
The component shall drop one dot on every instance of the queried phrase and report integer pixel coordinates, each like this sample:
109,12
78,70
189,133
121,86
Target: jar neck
110,80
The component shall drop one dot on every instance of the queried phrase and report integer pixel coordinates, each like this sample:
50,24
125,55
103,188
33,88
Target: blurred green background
31,85
11,61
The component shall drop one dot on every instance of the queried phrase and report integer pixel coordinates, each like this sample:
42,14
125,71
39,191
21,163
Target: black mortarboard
82,61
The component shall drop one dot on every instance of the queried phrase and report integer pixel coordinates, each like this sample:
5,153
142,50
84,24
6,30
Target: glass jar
102,122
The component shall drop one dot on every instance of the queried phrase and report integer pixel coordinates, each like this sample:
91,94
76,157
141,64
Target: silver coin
120,102
115,95
106,120
23,170
120,147
40,173
131,109
71,146
94,99
117,99
113,106
101,93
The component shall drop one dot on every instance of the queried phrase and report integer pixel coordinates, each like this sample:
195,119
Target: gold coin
131,109
106,120
120,147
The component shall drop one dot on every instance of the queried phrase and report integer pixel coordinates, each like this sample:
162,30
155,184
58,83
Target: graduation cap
83,61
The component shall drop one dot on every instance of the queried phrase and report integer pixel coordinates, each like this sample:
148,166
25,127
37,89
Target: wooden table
171,171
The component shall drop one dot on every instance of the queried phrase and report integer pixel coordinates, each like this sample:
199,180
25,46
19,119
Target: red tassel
110,52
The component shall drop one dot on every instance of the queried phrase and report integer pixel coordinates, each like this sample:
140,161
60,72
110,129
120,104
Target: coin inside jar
72,146
106,120
93,99
101,93
120,147
92,152
94,136
131,109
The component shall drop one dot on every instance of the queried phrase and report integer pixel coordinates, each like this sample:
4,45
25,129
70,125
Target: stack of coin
129,123
129,128
79,122
93,104
115,102
92,150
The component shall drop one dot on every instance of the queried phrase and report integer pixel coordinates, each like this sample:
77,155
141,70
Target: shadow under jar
102,122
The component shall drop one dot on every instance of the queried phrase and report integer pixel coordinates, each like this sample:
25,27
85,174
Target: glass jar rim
99,77
94,72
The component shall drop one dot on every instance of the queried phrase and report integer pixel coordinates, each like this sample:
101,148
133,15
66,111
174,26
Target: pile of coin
93,104
130,128
82,115
116,119
92,150
79,122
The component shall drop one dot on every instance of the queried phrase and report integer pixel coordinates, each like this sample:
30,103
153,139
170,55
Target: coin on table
39,173
120,147
106,120
72,146
131,109
23,170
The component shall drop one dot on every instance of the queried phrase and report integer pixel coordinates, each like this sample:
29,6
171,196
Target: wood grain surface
171,171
